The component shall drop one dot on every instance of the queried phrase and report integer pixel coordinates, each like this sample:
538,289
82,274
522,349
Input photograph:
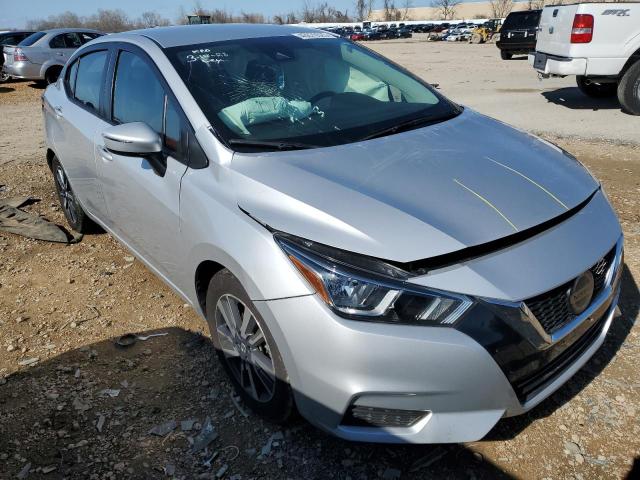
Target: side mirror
135,138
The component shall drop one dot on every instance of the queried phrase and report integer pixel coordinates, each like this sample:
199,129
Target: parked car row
381,32
40,55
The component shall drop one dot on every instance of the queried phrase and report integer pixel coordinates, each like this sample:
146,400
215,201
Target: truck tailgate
554,36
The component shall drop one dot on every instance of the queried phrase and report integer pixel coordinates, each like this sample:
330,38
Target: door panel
144,208
78,128
77,114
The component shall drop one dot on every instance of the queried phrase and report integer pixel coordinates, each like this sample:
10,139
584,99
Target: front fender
217,230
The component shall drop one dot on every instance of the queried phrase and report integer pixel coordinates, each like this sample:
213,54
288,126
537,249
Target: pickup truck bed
597,42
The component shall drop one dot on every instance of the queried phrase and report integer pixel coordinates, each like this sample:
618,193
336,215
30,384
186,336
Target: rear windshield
521,20
308,87
31,39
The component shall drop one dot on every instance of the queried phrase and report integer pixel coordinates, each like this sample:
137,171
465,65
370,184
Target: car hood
416,194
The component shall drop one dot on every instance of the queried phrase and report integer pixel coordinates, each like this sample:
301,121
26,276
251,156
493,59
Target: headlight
364,288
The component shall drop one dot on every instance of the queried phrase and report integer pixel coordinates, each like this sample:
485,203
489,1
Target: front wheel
629,90
246,349
595,90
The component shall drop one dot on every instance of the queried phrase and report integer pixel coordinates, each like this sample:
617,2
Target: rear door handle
106,154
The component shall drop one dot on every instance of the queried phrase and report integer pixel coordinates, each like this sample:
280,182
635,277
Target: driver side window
139,96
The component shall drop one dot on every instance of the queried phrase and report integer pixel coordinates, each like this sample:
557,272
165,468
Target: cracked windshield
303,91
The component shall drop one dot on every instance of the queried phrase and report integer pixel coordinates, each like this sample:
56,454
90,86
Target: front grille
362,416
531,385
552,308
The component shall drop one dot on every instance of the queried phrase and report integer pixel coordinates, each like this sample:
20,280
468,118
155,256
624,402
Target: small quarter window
72,71
89,79
172,127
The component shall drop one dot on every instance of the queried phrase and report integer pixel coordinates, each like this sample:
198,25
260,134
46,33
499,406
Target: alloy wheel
245,348
67,199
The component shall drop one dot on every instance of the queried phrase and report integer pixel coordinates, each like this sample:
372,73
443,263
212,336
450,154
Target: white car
597,42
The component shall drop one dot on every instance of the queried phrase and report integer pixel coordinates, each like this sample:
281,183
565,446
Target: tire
629,90
475,38
504,55
4,77
52,74
73,212
267,394
596,90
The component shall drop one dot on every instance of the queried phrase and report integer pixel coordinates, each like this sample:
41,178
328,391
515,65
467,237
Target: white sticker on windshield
313,35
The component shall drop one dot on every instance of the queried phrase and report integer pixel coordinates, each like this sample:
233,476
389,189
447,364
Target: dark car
518,34
10,38
371,34
404,32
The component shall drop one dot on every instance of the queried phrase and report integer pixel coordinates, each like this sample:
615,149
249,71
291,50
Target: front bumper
560,66
335,364
25,70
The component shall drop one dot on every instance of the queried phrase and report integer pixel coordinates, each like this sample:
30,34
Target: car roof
70,30
14,32
179,35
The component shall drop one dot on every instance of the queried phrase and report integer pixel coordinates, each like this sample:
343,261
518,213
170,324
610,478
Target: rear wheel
73,212
504,55
4,77
595,90
52,74
629,90
247,349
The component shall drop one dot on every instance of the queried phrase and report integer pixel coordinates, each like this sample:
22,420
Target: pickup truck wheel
246,349
504,55
73,212
629,90
595,90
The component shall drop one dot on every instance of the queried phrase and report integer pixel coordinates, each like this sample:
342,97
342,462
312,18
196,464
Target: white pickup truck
597,42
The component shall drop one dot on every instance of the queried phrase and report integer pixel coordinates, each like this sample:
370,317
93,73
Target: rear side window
31,39
89,79
66,40
72,71
138,95
87,37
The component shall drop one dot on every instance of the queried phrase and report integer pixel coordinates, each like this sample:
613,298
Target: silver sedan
42,55
398,267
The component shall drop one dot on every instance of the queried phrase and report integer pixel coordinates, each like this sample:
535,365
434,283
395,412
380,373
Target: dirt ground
74,405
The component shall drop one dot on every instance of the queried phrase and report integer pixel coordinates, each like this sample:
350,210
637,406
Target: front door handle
106,154
58,111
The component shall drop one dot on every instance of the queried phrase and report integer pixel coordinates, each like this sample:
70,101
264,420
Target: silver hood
417,194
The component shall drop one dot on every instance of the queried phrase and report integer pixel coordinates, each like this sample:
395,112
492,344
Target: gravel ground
74,405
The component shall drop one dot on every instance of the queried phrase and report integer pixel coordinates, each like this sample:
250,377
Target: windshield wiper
409,125
271,144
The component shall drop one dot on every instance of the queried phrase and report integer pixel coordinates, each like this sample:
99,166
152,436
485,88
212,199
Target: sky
15,13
